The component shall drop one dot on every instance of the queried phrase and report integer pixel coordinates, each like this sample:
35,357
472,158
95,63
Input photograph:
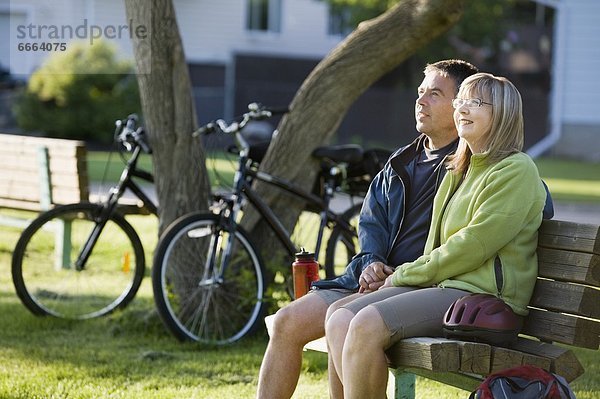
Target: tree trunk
181,180
373,49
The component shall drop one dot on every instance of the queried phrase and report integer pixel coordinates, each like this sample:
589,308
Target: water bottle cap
303,254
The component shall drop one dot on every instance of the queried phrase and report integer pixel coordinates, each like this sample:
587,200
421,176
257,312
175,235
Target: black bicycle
208,278
84,260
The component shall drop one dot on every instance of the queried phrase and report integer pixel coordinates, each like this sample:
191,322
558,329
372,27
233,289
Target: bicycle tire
342,244
200,304
46,279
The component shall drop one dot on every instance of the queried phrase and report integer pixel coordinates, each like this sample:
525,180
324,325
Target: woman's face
473,119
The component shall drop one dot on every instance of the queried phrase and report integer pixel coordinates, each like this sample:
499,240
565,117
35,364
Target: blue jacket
382,215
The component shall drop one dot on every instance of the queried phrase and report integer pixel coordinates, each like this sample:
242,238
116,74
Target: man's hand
374,276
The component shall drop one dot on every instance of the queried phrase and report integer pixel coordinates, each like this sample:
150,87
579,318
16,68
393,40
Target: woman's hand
374,276
388,282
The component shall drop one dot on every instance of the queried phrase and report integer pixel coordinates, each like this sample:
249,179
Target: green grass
219,165
571,180
126,355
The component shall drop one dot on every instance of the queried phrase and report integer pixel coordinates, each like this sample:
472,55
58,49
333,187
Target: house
240,51
575,96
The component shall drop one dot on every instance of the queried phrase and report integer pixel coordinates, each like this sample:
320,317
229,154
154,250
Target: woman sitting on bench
482,239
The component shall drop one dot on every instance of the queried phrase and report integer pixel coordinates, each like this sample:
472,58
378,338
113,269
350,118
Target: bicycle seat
349,153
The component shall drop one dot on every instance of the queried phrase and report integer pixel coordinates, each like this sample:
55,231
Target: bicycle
207,276
84,260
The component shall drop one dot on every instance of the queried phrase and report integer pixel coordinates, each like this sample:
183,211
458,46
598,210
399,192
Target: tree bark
181,180
372,50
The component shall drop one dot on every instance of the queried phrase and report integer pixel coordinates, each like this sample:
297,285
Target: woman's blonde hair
506,134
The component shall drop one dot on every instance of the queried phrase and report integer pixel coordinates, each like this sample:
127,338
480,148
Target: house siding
214,31
578,114
582,62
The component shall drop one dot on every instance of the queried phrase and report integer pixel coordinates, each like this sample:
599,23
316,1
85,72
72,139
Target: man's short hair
458,70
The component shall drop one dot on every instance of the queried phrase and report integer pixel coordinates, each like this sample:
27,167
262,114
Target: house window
264,15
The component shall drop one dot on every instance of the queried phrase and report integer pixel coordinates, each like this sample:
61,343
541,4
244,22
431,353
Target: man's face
433,107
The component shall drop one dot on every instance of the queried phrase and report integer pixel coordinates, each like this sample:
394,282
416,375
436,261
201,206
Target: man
393,228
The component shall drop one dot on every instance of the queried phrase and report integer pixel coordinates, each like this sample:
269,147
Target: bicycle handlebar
131,135
256,112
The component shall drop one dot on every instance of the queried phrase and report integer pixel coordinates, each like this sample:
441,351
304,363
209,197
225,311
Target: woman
482,239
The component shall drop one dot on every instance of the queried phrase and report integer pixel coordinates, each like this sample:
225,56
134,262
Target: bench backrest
36,172
565,306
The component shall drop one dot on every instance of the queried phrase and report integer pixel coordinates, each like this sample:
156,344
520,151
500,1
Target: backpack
523,382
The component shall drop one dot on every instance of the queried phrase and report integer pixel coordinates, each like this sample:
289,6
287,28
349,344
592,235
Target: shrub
79,94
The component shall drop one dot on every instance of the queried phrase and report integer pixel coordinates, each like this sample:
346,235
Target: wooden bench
38,173
564,313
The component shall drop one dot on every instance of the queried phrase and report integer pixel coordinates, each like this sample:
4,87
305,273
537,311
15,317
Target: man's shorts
330,295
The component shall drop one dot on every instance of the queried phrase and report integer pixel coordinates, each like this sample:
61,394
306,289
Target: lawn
571,180
130,355
126,355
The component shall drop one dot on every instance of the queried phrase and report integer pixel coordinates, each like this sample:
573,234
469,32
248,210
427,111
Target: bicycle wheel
49,282
199,295
342,244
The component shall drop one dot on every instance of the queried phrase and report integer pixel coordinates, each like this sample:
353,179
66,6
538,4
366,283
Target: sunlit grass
102,166
571,180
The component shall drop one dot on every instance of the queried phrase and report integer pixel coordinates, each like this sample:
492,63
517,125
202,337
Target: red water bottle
305,270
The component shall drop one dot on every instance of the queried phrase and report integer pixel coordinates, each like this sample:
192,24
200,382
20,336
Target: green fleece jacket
494,212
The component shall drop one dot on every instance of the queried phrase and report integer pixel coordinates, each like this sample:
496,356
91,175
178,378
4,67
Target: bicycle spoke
43,264
201,295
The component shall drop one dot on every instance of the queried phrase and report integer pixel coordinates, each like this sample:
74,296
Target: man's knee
299,319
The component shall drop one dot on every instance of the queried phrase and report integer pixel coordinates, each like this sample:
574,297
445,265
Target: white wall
581,99
214,29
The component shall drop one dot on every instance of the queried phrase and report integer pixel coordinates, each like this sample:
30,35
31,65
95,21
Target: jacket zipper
498,274
389,251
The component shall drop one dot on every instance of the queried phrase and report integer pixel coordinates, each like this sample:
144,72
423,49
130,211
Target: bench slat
572,266
569,236
60,195
32,178
19,204
475,358
15,142
504,358
557,327
568,298
29,162
428,353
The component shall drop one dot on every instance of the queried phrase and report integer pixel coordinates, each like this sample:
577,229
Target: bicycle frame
109,205
243,186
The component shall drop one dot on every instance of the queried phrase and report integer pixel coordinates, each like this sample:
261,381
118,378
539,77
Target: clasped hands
375,276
